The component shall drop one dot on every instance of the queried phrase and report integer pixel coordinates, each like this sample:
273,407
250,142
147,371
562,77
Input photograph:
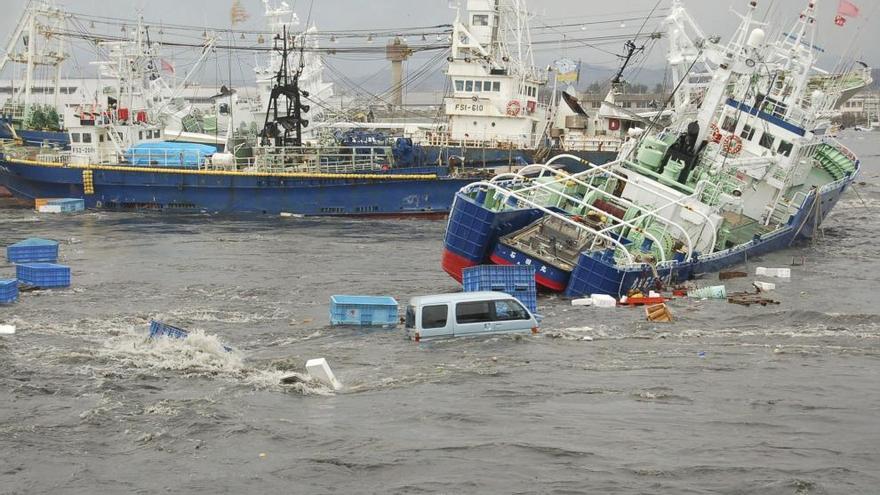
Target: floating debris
7,329
658,312
764,286
159,330
773,272
713,292
320,370
731,274
749,298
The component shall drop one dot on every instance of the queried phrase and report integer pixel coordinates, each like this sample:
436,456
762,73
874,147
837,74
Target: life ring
716,133
513,108
731,144
613,124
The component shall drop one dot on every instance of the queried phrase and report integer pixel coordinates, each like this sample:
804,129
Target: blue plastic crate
33,250
363,310
8,291
159,330
43,275
516,280
69,205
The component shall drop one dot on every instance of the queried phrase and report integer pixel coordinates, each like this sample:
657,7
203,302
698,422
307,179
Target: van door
510,316
435,321
473,317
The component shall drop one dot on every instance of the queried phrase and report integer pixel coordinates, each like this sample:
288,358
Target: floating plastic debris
159,330
713,292
764,286
7,329
773,272
603,301
584,301
320,370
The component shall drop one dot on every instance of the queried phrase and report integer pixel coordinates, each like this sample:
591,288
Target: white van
466,313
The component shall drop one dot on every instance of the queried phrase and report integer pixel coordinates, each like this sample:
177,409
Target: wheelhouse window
478,85
784,148
480,20
468,85
434,316
767,140
74,137
748,132
729,124
473,312
496,86
459,85
87,137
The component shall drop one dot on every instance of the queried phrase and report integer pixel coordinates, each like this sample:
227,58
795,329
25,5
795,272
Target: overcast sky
713,15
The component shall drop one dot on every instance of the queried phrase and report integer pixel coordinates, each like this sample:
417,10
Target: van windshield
410,320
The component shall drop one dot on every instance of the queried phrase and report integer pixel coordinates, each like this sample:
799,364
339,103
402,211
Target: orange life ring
731,144
716,133
513,108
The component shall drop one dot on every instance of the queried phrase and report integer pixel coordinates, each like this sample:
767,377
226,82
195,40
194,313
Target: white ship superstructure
496,95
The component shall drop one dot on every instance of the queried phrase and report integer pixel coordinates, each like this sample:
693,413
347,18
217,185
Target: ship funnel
756,38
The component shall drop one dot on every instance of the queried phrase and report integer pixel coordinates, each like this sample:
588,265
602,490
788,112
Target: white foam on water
199,355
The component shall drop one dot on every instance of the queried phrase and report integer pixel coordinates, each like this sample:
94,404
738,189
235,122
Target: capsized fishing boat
744,169
119,158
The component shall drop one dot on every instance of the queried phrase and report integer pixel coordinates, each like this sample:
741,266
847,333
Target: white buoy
320,370
7,329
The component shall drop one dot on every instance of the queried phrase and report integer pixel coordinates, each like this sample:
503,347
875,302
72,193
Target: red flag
166,66
847,9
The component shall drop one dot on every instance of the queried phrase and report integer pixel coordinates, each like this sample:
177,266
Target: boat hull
473,232
35,138
336,195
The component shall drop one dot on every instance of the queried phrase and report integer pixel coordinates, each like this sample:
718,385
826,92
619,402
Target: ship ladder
88,182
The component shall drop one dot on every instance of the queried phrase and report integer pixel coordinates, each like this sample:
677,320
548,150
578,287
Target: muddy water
727,399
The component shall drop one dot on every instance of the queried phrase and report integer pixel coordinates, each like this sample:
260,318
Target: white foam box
773,272
764,286
7,329
603,301
585,301
49,209
320,370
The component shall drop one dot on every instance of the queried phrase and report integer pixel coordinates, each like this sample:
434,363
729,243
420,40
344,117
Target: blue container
69,205
363,310
43,275
159,329
8,291
33,250
516,280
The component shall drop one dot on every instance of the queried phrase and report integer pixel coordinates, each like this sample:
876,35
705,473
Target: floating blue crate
43,275
516,280
363,310
69,205
8,291
33,250
159,330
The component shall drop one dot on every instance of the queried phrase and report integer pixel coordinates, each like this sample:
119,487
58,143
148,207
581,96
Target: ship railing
564,177
608,169
591,144
319,160
621,223
507,194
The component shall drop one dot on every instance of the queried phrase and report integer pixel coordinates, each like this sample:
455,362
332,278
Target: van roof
459,297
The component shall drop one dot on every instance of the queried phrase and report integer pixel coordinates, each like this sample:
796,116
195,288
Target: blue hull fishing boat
743,170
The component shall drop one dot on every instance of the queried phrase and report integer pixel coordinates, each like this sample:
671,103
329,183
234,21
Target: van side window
473,312
510,310
434,316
